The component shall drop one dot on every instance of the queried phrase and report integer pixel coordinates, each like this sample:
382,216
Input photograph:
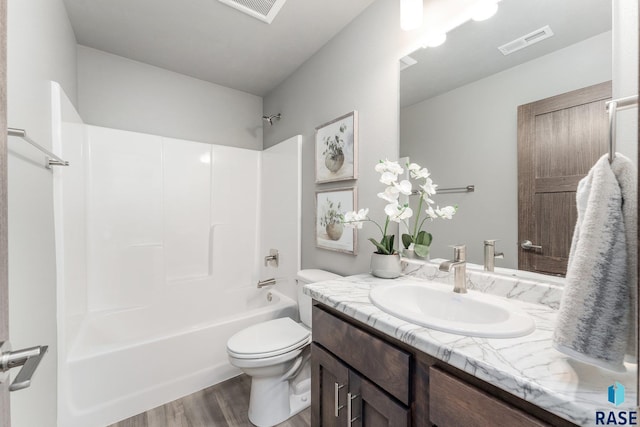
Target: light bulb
484,10
435,40
410,14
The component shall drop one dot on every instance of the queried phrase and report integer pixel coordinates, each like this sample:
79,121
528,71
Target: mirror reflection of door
559,140
4,291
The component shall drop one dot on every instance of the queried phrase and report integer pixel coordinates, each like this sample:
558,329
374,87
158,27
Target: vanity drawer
382,363
453,403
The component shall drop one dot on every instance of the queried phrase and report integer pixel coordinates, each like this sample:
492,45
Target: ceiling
208,40
471,50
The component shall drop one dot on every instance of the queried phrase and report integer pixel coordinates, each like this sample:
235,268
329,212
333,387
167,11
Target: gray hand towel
594,317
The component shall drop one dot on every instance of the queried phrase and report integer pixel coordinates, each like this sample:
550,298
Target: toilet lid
268,339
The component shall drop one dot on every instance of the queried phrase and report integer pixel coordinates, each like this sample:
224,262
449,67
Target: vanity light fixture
434,40
410,14
485,9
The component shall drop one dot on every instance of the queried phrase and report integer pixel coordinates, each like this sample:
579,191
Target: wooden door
329,388
371,407
4,294
559,140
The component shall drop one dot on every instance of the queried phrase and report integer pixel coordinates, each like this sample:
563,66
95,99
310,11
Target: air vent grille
526,40
406,62
264,10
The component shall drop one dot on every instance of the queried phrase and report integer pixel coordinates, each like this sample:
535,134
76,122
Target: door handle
28,358
528,246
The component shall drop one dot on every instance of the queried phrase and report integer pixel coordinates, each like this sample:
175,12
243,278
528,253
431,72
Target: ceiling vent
526,41
264,10
406,62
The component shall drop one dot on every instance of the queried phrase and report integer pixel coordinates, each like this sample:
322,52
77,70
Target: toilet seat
268,339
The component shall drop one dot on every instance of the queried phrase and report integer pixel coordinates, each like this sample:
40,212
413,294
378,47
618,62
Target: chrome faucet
490,255
459,266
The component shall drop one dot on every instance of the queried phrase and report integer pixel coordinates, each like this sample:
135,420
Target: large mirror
459,113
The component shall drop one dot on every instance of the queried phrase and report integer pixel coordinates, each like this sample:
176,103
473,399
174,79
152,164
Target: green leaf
381,248
421,250
407,239
424,238
387,242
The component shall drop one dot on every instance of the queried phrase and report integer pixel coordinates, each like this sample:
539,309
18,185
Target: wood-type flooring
222,405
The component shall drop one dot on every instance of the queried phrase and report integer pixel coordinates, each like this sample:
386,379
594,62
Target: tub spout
268,282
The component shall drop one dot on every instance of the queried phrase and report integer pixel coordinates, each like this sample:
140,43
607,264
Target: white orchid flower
392,208
404,187
429,187
413,167
397,213
431,213
388,178
355,219
388,166
446,213
420,173
390,194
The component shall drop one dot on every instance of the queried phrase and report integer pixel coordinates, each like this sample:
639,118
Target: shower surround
159,248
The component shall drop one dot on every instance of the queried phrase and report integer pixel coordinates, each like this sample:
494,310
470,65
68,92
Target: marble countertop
528,367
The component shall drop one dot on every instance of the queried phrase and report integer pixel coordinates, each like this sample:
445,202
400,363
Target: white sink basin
436,306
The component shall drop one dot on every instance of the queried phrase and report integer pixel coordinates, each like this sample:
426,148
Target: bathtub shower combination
159,247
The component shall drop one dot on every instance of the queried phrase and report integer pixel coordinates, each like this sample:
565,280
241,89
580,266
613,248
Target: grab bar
52,159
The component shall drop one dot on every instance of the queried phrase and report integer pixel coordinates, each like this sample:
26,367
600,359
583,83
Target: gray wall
356,70
469,136
120,93
41,47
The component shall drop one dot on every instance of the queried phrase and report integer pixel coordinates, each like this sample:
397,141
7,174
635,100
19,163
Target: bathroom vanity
371,368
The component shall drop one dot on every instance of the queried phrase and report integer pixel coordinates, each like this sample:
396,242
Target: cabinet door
329,388
371,407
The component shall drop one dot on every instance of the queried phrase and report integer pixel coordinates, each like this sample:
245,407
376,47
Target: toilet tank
304,301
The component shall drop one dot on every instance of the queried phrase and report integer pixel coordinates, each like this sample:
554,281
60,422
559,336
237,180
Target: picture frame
336,151
330,234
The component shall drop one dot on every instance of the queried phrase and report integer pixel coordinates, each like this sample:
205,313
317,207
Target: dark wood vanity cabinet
357,379
361,377
345,398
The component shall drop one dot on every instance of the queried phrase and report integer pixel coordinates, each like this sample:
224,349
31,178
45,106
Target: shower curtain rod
52,159
613,106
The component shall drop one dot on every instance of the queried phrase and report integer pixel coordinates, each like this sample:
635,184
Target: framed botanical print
337,149
331,234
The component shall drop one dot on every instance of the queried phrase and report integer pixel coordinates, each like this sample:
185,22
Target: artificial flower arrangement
419,240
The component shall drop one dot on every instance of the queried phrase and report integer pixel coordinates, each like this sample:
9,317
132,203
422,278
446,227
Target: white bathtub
126,362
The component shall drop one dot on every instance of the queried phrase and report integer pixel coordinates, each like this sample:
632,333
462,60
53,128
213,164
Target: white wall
119,93
356,70
280,191
41,47
469,136
625,73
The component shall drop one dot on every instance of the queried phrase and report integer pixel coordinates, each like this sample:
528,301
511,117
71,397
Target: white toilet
275,354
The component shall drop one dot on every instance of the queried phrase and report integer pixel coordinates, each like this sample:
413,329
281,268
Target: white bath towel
594,319
627,176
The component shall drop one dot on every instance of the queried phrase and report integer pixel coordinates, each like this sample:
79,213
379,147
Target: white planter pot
385,266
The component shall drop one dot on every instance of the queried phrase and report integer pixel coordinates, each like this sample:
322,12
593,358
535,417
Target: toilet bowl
275,354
